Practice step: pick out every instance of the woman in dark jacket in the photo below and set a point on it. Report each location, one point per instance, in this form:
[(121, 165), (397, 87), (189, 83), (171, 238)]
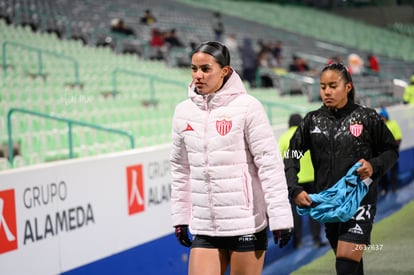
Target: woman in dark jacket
[(338, 135)]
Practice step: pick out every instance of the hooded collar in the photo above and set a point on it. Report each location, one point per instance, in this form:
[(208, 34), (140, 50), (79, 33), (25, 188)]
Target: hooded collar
[(231, 88)]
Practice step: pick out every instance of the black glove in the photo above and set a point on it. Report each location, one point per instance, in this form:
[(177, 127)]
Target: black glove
[(181, 232), (282, 236)]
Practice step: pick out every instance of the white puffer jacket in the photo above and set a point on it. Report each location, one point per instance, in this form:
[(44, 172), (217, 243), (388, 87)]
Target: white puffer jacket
[(227, 173)]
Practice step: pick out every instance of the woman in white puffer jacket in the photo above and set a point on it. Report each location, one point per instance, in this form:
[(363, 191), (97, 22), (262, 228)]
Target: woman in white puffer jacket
[(228, 181)]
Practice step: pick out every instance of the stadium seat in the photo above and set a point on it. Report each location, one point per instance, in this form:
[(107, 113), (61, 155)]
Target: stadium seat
[(130, 109)]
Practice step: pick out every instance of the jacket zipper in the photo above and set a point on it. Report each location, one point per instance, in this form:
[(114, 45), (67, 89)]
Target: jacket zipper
[(332, 144), (205, 145)]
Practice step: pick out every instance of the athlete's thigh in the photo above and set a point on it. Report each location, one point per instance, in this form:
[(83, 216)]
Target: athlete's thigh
[(208, 261), (350, 250), (247, 263)]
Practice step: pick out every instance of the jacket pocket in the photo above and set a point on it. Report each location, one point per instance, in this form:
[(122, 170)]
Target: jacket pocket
[(247, 190)]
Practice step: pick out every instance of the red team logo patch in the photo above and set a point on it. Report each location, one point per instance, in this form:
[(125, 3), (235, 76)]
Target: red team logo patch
[(135, 182), (8, 228), (223, 126), (356, 129)]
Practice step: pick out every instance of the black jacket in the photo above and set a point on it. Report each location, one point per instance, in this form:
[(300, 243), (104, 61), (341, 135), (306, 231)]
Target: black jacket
[(337, 140)]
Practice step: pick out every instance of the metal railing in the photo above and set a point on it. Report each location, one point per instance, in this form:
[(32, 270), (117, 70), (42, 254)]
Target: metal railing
[(70, 123), (269, 106), (40, 53), (43, 19), (152, 79)]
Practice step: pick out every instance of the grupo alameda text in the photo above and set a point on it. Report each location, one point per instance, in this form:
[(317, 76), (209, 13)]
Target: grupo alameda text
[(51, 224), (159, 193)]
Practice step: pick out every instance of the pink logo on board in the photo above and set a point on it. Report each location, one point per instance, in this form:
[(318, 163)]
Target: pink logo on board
[(135, 187), (8, 225)]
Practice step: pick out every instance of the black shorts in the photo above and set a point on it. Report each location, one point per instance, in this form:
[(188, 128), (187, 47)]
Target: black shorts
[(356, 230), (243, 243)]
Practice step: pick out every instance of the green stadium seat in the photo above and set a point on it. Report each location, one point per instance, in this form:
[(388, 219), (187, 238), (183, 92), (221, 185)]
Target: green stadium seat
[(149, 124)]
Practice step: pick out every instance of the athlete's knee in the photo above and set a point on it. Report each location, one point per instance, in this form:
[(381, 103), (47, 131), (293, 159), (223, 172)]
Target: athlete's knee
[(346, 266)]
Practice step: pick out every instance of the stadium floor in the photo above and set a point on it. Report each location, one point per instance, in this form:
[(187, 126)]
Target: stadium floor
[(387, 205)]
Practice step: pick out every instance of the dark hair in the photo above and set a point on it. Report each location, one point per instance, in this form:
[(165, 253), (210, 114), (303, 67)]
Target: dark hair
[(295, 120), (215, 49), (343, 70)]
